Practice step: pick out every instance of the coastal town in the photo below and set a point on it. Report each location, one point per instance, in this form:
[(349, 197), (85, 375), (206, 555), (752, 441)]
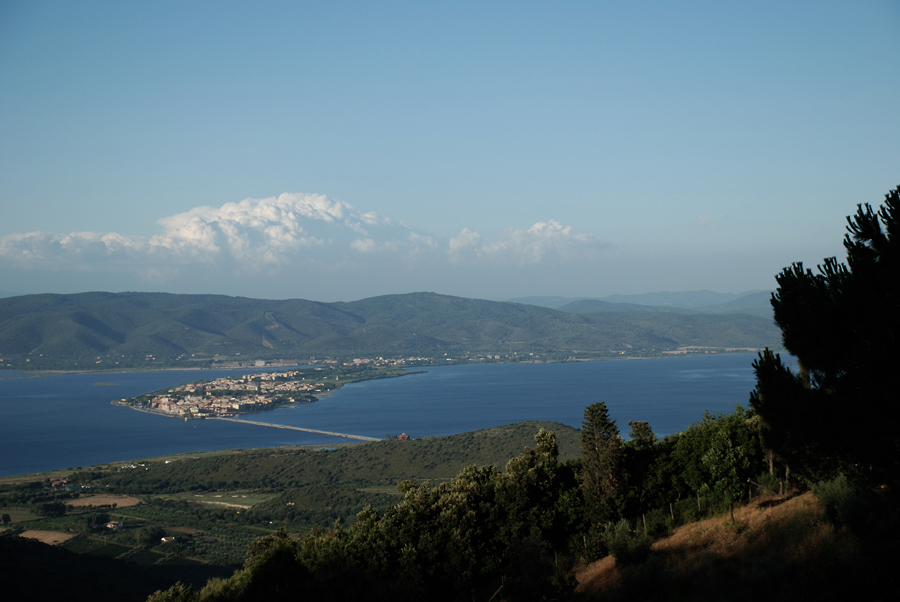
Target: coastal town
[(235, 395)]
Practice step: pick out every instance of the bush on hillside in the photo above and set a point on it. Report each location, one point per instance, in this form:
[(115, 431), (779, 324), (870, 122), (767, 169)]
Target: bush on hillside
[(626, 545), (594, 546), (842, 502), (767, 483), (657, 522)]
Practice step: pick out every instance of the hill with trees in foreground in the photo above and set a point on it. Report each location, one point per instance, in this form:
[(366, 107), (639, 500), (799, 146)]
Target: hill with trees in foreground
[(154, 330), (832, 427), (793, 498)]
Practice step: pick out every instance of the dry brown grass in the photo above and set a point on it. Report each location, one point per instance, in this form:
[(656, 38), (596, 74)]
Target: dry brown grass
[(48, 537), (717, 535), (768, 532), (599, 576), (121, 501)]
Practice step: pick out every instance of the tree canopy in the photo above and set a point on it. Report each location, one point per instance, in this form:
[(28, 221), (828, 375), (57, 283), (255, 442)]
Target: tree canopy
[(839, 412)]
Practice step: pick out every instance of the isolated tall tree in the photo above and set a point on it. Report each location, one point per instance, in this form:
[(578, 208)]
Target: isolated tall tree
[(639, 454), (843, 325), (603, 475)]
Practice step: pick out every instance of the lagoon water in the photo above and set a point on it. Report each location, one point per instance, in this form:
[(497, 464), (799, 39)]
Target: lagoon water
[(64, 421)]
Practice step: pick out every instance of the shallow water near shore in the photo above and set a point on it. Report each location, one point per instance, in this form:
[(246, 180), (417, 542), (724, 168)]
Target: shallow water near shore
[(66, 420)]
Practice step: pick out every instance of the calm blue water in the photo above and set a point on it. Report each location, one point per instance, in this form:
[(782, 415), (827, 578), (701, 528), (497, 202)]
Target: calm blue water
[(67, 421)]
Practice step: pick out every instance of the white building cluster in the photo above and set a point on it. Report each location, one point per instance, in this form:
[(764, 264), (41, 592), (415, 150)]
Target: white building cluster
[(218, 397)]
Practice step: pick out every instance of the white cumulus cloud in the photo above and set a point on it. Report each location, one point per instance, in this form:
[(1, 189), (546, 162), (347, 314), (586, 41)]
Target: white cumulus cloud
[(79, 246), (304, 238), (544, 241), (244, 236), (253, 231)]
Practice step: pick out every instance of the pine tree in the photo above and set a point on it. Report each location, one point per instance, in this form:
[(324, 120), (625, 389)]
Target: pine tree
[(843, 325), (603, 475)]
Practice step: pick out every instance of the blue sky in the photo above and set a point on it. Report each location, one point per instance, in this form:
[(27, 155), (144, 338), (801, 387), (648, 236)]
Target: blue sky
[(335, 151)]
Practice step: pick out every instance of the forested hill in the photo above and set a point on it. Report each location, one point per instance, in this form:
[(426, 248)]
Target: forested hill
[(96, 330)]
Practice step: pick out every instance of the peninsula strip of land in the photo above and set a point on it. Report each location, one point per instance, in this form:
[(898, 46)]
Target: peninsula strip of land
[(236, 395)]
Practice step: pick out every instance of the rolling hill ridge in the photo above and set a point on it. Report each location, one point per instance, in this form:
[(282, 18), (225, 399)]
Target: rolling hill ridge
[(103, 330)]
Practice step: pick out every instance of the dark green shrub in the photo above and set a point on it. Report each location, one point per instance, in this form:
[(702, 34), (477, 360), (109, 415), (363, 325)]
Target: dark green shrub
[(656, 523), (767, 483), (593, 545), (842, 502), (626, 546), (50, 509)]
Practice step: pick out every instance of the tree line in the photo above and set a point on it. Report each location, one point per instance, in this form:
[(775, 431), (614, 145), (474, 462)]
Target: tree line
[(520, 529)]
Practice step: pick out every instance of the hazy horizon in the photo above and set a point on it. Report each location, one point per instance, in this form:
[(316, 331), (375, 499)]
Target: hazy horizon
[(496, 151), (533, 299)]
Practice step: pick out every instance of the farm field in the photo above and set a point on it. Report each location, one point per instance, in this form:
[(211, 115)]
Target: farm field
[(121, 501), (48, 537)]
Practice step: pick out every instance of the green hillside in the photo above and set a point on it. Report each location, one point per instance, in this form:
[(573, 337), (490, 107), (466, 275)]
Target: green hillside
[(151, 330), (300, 487), (355, 465)]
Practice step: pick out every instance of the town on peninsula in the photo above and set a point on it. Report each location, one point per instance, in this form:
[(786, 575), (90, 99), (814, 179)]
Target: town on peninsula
[(235, 395)]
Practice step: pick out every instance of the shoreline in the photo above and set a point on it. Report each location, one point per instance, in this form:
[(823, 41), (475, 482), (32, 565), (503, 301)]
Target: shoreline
[(687, 351), (122, 404), (183, 456)]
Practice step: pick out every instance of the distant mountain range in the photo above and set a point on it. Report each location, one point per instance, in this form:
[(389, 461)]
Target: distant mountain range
[(754, 303), (104, 330)]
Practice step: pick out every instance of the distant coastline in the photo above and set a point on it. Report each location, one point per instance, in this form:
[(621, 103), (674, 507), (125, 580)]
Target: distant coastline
[(686, 351)]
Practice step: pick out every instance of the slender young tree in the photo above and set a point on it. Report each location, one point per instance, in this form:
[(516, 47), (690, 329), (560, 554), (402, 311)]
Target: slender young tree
[(603, 474), (639, 454), (729, 458)]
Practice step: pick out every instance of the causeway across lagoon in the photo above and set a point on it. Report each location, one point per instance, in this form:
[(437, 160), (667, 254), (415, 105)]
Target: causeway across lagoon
[(297, 428)]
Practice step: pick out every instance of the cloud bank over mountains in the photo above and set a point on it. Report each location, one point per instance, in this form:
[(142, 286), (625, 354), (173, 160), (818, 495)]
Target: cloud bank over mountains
[(542, 242), (293, 234)]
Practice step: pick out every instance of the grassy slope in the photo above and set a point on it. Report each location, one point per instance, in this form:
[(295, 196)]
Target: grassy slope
[(60, 330), (783, 549)]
